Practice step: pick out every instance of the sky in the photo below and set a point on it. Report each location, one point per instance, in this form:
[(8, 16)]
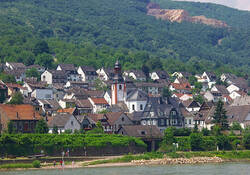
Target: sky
[(239, 4)]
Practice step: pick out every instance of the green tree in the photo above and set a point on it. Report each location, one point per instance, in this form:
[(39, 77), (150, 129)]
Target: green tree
[(55, 129), (195, 130), (42, 127), (246, 140), (196, 142), (199, 99), (169, 138), (41, 47), (205, 132), (11, 128), (219, 117), (166, 92), (236, 126), (45, 60), (6, 78), (16, 99), (32, 73)]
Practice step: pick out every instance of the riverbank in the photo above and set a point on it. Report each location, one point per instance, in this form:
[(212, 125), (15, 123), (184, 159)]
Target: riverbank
[(154, 158)]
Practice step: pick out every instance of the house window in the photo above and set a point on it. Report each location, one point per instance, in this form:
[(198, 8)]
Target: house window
[(190, 121), (143, 132), (133, 107), (185, 121), (44, 77), (72, 123), (173, 112), (123, 119), (120, 87), (141, 107)]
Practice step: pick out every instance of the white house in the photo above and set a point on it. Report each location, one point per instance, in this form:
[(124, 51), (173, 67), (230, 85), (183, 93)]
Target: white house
[(45, 94), (52, 76), (156, 75), (105, 74), (232, 88), (99, 104), (136, 100), (88, 74)]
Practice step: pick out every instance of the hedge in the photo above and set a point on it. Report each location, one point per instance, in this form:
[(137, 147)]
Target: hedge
[(28, 144)]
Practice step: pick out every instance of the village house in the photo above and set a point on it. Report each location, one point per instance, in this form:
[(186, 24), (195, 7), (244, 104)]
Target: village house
[(76, 84), (70, 71), (99, 104), (84, 106), (49, 107), (162, 112), (159, 74), (188, 117), (151, 135), (240, 114), (24, 117), (136, 100), (150, 88), (136, 75), (184, 88), (54, 76), (105, 74), (181, 75), (191, 105), (63, 122), (182, 97), (45, 94), (88, 74)]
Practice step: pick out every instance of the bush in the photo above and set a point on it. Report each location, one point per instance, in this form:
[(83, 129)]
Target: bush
[(36, 164), (246, 140), (223, 142), (196, 142)]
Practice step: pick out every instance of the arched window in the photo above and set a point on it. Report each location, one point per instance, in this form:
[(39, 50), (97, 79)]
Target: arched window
[(133, 107), (141, 107)]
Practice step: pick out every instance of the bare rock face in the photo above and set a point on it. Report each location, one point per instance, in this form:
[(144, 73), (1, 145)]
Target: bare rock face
[(180, 15)]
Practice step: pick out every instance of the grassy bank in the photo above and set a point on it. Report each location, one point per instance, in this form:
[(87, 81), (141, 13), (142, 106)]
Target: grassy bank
[(16, 165), (229, 155)]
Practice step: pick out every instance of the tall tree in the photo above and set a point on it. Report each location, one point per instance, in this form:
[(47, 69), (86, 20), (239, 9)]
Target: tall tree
[(220, 117), (42, 127), (41, 47)]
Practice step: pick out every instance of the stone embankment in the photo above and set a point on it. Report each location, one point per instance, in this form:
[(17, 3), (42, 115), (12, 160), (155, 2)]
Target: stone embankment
[(171, 161)]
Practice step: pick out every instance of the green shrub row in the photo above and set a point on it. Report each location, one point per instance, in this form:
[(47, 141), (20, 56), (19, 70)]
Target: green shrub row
[(28, 144), (197, 142)]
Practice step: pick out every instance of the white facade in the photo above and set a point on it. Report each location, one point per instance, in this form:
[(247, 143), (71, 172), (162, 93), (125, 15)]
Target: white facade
[(136, 106), (189, 122), (232, 88), (108, 98), (154, 76), (102, 74), (47, 77), (234, 95), (209, 96), (118, 92), (45, 94)]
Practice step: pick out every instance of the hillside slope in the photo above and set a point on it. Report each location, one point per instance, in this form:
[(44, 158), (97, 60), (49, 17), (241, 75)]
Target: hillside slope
[(120, 28)]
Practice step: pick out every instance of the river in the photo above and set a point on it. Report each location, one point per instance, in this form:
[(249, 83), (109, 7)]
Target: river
[(242, 168)]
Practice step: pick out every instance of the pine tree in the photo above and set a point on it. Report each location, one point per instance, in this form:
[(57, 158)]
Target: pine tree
[(220, 117)]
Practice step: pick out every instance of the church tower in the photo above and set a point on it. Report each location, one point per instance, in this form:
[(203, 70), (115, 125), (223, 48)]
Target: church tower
[(118, 87)]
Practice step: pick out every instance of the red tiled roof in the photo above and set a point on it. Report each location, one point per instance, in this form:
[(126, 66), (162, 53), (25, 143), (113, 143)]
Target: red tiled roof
[(20, 112), (99, 100), (66, 110), (185, 86)]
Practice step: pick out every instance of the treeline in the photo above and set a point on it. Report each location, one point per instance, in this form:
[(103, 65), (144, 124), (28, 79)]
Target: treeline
[(99, 32), (29, 144)]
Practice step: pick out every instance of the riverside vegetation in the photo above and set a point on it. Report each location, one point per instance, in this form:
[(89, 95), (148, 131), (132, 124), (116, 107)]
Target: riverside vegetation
[(96, 33)]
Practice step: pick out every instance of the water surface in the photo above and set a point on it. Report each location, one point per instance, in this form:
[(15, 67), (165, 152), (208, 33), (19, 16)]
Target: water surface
[(242, 168)]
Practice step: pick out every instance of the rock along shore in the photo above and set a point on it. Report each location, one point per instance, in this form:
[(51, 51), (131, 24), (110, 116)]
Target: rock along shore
[(167, 161)]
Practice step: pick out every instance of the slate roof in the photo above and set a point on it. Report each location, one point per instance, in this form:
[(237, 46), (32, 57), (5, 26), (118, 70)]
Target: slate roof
[(89, 70), (59, 120), (113, 117), (137, 95), (67, 67), (20, 112), (222, 89), (238, 113), (162, 74), (138, 74), (17, 65), (53, 104), (83, 103), (142, 131)]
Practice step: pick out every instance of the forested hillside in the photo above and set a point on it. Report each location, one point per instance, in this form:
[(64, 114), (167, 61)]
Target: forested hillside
[(95, 32)]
